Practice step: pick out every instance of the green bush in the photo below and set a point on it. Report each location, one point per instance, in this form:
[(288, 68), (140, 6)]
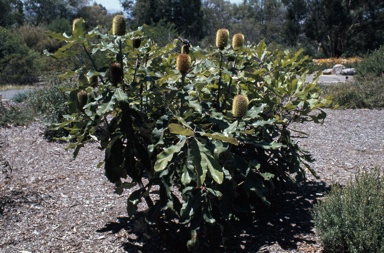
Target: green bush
[(60, 25), (15, 114), (49, 102), (18, 64), (373, 64), (36, 38), (169, 118), (351, 218), (20, 97), (367, 92)]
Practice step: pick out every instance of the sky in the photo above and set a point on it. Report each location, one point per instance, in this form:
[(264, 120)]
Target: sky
[(114, 5)]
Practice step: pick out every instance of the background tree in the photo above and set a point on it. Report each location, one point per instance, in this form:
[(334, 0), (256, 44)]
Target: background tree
[(12, 12), (217, 14), (45, 11), (296, 12), (187, 16), (344, 27), (95, 15)]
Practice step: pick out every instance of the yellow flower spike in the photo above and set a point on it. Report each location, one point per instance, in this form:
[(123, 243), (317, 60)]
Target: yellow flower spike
[(115, 73), (222, 36), (240, 106), (183, 63), (237, 40), (118, 25)]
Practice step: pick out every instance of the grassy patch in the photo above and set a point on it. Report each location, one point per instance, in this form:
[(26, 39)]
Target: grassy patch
[(367, 92), (6, 87)]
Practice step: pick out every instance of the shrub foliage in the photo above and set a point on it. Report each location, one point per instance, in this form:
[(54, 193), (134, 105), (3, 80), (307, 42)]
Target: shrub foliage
[(367, 92), (372, 65), (351, 219), (18, 64), (171, 139)]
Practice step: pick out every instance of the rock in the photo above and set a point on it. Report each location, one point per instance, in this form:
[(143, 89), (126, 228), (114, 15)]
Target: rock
[(336, 70), (348, 72), (327, 72)]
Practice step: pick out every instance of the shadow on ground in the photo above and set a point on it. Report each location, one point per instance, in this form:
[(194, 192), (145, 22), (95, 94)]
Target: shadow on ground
[(287, 222)]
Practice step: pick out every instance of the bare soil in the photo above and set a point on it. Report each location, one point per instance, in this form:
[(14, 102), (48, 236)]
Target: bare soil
[(52, 203)]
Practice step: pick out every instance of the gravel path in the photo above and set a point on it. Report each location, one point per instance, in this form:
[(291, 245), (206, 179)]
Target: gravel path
[(348, 140), (50, 203)]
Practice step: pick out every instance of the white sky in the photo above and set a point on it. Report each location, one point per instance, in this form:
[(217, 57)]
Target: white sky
[(114, 5)]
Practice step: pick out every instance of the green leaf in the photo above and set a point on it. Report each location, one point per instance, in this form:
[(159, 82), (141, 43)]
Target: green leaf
[(120, 95), (179, 129), (66, 75), (106, 107), (194, 158), (222, 137), (231, 128), (78, 28), (208, 161), (164, 157), (183, 122), (267, 176), (83, 81), (186, 177)]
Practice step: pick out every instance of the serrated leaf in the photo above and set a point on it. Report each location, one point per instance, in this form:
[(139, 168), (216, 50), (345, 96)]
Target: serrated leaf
[(185, 177), (179, 129), (209, 162), (183, 122), (195, 104), (66, 75), (194, 157), (222, 137), (78, 28), (267, 176), (164, 157), (213, 168), (106, 107), (231, 128), (120, 95)]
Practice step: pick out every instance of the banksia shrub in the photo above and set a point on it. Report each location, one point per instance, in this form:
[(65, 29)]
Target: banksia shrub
[(82, 98), (237, 40), (240, 106), (222, 36), (136, 42), (115, 73), (118, 25), (183, 63)]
